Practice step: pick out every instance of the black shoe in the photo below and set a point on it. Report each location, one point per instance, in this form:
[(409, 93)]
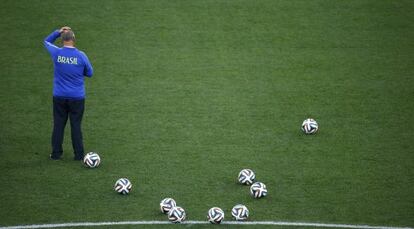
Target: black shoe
[(54, 157)]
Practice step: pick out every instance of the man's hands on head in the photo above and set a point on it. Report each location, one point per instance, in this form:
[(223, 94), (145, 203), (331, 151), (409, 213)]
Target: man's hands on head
[(64, 29)]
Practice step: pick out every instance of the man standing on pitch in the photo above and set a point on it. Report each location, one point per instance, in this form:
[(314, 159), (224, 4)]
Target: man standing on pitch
[(70, 67)]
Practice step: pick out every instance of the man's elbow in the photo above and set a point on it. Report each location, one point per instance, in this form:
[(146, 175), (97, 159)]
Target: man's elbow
[(48, 40), (88, 71), (89, 74)]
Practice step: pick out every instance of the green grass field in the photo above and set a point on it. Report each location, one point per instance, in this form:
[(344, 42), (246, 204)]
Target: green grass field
[(186, 93)]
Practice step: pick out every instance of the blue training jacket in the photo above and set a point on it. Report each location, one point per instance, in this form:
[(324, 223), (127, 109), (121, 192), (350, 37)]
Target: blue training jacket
[(70, 67)]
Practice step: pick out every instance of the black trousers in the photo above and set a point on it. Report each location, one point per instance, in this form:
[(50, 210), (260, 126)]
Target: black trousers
[(62, 109)]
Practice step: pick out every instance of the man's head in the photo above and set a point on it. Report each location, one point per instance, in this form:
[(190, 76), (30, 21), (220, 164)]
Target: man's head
[(68, 38)]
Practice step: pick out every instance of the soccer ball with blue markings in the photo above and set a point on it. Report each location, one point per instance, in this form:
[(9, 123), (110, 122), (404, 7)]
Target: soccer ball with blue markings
[(310, 126), (123, 186), (167, 204), (176, 214), (215, 215), (258, 190), (240, 212), (246, 176), (92, 160)]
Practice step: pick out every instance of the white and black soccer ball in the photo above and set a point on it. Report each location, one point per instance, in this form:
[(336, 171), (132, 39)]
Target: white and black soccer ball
[(246, 176), (123, 186), (258, 190), (215, 215), (167, 204), (309, 126), (92, 160), (240, 212), (176, 214)]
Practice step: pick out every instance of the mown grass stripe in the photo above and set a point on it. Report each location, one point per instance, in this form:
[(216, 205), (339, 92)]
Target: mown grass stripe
[(275, 223)]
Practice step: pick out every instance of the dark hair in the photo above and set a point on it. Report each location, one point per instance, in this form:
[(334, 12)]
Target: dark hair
[(68, 36)]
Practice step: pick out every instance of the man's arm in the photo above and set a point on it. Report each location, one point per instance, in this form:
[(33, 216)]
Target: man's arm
[(88, 70), (49, 40)]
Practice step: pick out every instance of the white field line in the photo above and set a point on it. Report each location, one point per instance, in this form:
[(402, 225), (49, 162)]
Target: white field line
[(274, 223)]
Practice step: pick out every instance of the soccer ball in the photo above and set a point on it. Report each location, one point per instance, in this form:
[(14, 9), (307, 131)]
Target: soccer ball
[(240, 212), (166, 205), (92, 160), (246, 176), (258, 190), (176, 215), (309, 126), (215, 215), (123, 186)]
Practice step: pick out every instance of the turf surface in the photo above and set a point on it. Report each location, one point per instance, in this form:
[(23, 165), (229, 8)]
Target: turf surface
[(187, 93)]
